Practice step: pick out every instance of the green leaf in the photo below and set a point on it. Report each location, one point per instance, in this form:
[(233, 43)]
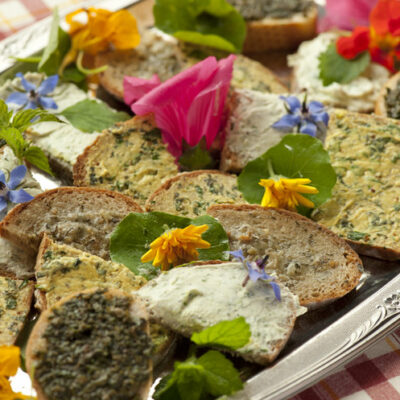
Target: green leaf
[(196, 158), (25, 118), (295, 156), (213, 23), (15, 140), (93, 116), (57, 47), (222, 378), (228, 334), (189, 379), (132, 237), (5, 115), (36, 157), (72, 74), (335, 68), (166, 389)]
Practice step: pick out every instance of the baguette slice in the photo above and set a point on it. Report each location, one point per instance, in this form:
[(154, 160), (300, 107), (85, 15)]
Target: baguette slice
[(81, 217), (91, 372), (311, 261), (280, 33), (15, 304), (203, 295), (190, 193), (380, 106), (129, 158)]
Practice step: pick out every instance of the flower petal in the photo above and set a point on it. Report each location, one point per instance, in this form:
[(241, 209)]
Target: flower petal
[(382, 13), (3, 203), (17, 98), (237, 254), (9, 360), (308, 128), (351, 46), (16, 176), (287, 122), (28, 86), (321, 117), (3, 178), (47, 102), (277, 290), (48, 85), (31, 105), (293, 102), (136, 88), (315, 106), (19, 196)]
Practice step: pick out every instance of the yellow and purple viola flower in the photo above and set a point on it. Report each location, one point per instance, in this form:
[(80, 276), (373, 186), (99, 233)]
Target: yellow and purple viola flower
[(256, 271), (188, 107), (306, 118), (8, 190), (34, 97)]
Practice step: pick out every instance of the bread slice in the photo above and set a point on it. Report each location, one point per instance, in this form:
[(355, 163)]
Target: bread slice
[(190, 193), (311, 261), (130, 158), (81, 217), (359, 95), (384, 96), (63, 270), (249, 131), (365, 203), (268, 33), (15, 304), (163, 55), (94, 344), (201, 296)]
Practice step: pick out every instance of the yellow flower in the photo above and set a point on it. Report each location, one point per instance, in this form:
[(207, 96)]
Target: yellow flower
[(285, 193), (103, 28), (177, 246), (9, 363)]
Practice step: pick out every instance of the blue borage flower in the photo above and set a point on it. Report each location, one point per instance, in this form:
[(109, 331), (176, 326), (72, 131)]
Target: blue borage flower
[(7, 192), (34, 97), (256, 271), (307, 118)]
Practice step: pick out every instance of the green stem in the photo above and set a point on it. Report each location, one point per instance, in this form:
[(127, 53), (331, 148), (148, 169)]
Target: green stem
[(270, 169), (33, 60), (87, 71), (192, 351)]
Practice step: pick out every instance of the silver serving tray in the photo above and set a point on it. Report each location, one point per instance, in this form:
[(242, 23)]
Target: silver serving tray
[(323, 339)]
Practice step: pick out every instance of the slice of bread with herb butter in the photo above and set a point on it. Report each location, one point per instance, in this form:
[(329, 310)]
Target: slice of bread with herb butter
[(191, 193), (364, 208), (130, 158), (91, 345), (277, 24), (358, 95), (202, 295), (388, 102), (62, 270), (165, 56), (81, 217), (311, 261), (15, 304)]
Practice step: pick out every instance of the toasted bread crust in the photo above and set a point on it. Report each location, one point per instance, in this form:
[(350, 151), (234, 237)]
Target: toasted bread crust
[(280, 34), (380, 106), (353, 261)]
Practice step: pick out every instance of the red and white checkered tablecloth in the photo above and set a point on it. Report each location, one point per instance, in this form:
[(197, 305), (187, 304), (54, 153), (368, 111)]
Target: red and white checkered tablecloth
[(375, 375)]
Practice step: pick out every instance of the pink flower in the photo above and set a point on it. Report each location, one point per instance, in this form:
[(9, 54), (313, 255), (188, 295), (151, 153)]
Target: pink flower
[(188, 106), (346, 14)]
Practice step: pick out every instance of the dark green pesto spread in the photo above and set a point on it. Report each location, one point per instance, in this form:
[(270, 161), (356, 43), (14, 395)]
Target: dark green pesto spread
[(392, 102), (95, 350), (259, 9)]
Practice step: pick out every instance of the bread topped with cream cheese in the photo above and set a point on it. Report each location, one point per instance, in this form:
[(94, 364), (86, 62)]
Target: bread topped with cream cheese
[(129, 158), (91, 345), (190, 193), (311, 261), (81, 217)]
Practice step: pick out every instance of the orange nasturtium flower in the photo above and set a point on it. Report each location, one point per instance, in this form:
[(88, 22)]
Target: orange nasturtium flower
[(381, 38), (285, 193), (102, 29), (9, 363), (176, 246)]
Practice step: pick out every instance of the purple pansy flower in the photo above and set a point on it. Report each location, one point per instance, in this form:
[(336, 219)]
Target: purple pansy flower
[(7, 192), (256, 271), (307, 118), (34, 97)]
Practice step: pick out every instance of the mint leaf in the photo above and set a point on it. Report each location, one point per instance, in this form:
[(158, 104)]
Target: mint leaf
[(25, 118), (5, 115), (36, 157), (335, 68), (196, 158), (213, 23), (133, 235), (57, 47), (189, 379), (229, 334), (93, 116), (295, 156), (166, 389), (222, 378), (15, 140)]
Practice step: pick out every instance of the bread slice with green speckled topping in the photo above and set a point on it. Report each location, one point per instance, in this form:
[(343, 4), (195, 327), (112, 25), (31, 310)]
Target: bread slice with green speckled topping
[(190, 193), (310, 260), (129, 158)]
